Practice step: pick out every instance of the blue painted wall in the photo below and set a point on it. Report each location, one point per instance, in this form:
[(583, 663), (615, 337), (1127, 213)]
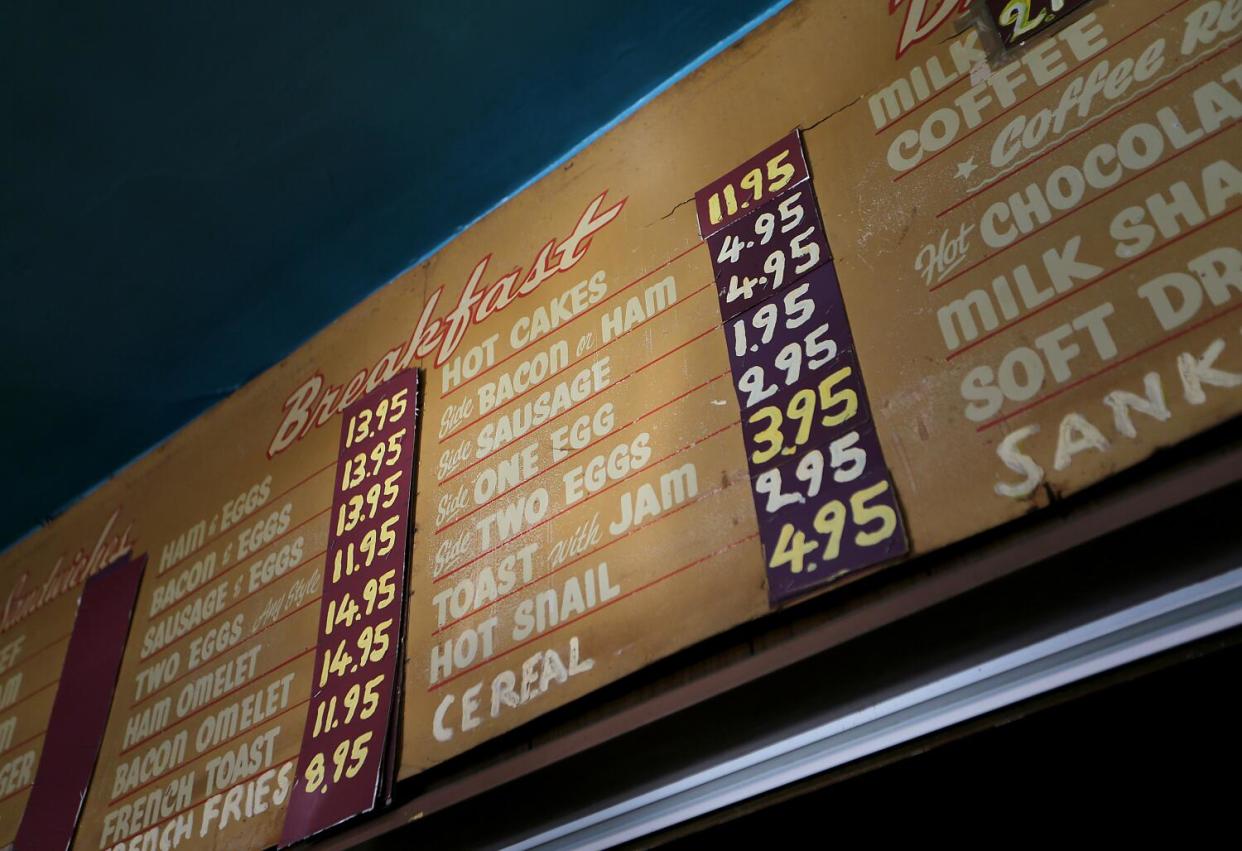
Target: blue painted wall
[(191, 190)]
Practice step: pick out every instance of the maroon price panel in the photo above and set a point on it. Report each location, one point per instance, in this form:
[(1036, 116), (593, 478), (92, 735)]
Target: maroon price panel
[(758, 255), (361, 614), (80, 710), (1018, 21), (752, 184)]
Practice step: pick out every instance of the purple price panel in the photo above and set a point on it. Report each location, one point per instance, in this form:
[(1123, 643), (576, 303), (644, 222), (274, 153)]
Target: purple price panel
[(361, 613), (80, 709), (759, 255), (752, 184), (812, 540), (823, 495), (1018, 21)]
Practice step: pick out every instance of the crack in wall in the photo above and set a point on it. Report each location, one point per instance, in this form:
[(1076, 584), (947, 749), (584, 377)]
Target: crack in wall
[(676, 207), (811, 127)]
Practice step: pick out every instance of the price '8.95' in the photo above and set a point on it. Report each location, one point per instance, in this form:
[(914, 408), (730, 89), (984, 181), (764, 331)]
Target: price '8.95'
[(347, 760)]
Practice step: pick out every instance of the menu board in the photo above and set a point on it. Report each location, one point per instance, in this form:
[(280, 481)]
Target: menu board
[(1009, 268), (209, 721), (584, 507), (1009, 351), (1050, 235)]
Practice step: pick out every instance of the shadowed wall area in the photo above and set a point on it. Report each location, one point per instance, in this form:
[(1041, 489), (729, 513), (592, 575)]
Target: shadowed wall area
[(190, 192)]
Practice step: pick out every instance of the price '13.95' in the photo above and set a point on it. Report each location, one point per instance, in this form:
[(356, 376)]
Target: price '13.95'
[(371, 421)]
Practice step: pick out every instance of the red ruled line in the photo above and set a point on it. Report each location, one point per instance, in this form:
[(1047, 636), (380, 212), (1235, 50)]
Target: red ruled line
[(15, 792), (39, 690), (1039, 91), (21, 618), (251, 683), (552, 377), (245, 640), (26, 657), (589, 310), (122, 842), (1142, 174), (236, 526), (210, 751), (1119, 109), (585, 500), (598, 608), (1089, 284), (244, 598), (22, 743), (593, 396), (1068, 387), (589, 446), (589, 554)]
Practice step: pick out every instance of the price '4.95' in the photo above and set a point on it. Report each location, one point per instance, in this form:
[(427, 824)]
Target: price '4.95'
[(872, 521)]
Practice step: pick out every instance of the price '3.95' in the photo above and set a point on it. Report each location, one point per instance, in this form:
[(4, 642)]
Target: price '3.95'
[(833, 406)]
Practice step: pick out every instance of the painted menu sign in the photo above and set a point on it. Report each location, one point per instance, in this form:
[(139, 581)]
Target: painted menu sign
[(1028, 269), (583, 505), (1053, 242)]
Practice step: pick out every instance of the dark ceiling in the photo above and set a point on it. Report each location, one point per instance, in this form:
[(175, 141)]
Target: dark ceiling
[(192, 190)]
